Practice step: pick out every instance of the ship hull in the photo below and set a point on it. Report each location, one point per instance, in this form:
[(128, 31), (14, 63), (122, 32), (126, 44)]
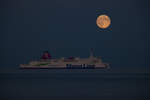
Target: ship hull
[(64, 67), (61, 68)]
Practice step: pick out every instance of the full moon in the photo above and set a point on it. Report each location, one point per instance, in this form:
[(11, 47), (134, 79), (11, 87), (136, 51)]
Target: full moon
[(103, 21)]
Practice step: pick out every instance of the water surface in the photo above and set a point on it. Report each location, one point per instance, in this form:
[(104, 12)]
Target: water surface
[(74, 84)]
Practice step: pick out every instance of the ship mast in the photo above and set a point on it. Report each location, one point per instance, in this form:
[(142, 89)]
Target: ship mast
[(91, 53)]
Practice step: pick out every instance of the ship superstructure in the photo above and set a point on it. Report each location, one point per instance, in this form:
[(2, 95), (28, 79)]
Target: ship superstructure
[(70, 63)]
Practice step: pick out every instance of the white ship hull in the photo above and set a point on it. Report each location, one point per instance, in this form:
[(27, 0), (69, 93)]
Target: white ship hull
[(67, 66)]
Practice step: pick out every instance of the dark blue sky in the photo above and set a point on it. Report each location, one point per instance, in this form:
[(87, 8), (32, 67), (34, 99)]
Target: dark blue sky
[(68, 28)]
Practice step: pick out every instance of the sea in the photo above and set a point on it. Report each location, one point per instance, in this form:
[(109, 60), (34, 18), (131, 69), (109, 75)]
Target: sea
[(75, 84)]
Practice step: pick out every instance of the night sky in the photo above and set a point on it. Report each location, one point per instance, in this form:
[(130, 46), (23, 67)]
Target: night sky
[(68, 28)]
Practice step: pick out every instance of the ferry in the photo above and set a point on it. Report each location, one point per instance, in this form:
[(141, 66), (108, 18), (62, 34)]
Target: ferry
[(46, 62)]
